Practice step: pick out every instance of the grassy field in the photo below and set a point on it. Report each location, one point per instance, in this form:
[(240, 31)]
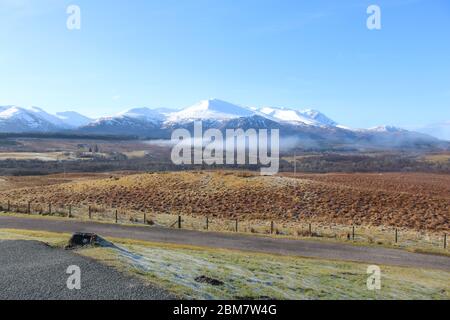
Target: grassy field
[(251, 275), (43, 156), (438, 158)]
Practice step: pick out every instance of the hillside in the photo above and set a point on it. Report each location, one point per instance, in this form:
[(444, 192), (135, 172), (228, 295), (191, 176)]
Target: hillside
[(417, 201)]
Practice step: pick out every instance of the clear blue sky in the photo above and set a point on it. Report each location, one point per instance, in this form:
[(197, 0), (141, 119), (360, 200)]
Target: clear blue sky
[(172, 53)]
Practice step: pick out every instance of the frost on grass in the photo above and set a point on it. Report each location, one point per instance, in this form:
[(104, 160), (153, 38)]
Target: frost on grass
[(260, 276)]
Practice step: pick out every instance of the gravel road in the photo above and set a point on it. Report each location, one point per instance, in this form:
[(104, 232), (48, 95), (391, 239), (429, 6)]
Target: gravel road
[(304, 248), (33, 270)]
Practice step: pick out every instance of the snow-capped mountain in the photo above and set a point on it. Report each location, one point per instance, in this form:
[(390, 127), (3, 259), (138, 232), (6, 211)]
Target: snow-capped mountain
[(136, 121), (73, 119), (307, 117), (319, 117), (214, 109), (34, 119), (439, 130), (386, 128), (309, 128), (146, 114)]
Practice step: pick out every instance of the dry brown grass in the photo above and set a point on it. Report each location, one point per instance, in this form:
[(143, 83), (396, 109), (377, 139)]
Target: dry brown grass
[(412, 201), (17, 182), (437, 158), (426, 184)]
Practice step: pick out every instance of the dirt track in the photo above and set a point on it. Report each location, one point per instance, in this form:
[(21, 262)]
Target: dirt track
[(313, 249)]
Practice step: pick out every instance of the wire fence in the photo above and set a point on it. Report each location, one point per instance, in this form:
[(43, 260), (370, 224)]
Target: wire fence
[(298, 228)]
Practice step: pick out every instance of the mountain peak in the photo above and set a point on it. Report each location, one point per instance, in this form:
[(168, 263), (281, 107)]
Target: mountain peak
[(144, 113), (18, 119), (387, 128), (211, 109), (318, 116), (308, 117), (73, 118)]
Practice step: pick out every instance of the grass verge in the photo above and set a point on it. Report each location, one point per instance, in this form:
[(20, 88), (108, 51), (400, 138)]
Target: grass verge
[(252, 275)]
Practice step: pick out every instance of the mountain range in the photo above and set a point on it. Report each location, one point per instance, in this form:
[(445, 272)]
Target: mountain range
[(306, 128)]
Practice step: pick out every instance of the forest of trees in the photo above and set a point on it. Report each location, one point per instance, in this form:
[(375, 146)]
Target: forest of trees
[(319, 163)]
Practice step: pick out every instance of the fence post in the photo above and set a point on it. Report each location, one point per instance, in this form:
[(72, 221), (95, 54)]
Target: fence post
[(310, 230), (445, 241), (207, 223), (49, 208), (29, 207), (116, 216), (353, 233), (271, 227), (236, 229), (396, 235), (179, 222), (145, 218), (90, 213), (9, 205), (70, 211)]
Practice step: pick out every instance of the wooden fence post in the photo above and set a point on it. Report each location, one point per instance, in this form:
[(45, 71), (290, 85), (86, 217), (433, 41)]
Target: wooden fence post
[(396, 235), (353, 233), (49, 208), (179, 222), (236, 228), (207, 223), (271, 227), (310, 230), (9, 206), (90, 213), (29, 207), (70, 211), (116, 216), (145, 218), (445, 241)]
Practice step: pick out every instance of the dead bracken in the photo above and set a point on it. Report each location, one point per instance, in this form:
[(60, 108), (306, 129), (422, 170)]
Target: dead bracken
[(416, 201)]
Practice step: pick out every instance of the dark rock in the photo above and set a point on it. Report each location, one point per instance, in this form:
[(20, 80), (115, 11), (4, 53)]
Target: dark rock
[(82, 239), (211, 281)]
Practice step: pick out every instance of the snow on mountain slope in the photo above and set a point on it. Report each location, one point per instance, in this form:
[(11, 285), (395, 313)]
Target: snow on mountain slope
[(134, 121), (54, 120), (16, 113), (308, 116), (288, 115), (73, 119), (17, 119), (210, 109), (439, 130), (318, 116), (153, 115), (306, 125), (385, 128)]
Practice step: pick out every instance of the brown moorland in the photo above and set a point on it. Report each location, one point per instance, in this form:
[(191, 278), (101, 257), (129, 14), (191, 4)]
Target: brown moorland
[(414, 200)]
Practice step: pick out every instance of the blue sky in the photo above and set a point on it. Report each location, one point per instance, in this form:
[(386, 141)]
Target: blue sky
[(172, 53)]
